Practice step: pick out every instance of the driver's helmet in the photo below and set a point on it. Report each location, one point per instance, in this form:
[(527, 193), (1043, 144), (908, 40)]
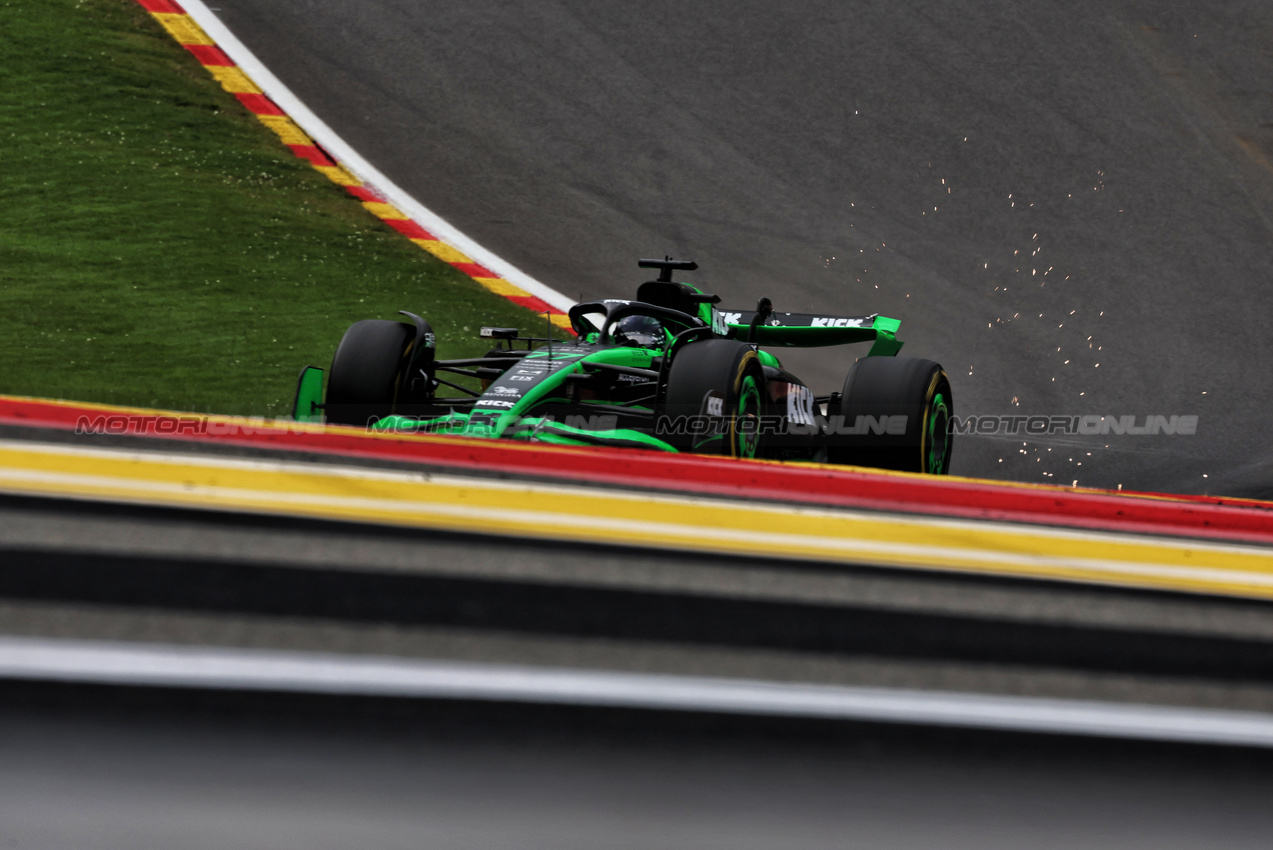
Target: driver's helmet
[(642, 331)]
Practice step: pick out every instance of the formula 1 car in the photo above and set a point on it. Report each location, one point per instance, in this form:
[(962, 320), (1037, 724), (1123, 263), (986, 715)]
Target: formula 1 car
[(667, 371)]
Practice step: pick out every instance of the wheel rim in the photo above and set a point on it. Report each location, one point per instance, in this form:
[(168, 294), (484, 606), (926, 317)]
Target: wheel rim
[(938, 427), (746, 421)]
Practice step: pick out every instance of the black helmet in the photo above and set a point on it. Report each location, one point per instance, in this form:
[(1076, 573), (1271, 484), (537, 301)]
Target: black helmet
[(642, 331)]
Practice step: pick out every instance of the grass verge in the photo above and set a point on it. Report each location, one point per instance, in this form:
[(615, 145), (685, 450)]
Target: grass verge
[(160, 248)]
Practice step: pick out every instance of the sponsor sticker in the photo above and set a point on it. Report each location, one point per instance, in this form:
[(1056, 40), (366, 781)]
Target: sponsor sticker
[(800, 405), (833, 322)]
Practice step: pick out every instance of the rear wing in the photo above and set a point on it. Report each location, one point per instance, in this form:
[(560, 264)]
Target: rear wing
[(809, 330)]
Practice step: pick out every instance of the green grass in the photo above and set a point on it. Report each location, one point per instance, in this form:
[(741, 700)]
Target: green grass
[(159, 247)]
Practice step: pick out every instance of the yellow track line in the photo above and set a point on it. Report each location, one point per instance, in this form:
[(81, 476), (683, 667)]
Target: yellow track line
[(574, 514)]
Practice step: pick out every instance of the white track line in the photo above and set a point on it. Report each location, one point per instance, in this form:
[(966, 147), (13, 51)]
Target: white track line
[(163, 665), (355, 163)]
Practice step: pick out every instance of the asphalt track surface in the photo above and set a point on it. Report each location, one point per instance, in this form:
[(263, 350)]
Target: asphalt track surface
[(1033, 189), (131, 767)]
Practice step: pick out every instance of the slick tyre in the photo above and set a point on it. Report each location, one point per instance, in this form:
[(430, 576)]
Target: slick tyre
[(869, 429), (713, 400), (362, 384)]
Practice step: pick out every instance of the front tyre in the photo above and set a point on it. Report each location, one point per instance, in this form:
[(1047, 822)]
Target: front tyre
[(894, 413), (363, 383), (713, 402)]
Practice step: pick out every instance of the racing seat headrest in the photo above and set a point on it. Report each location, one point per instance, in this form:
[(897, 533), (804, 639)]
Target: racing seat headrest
[(674, 296)]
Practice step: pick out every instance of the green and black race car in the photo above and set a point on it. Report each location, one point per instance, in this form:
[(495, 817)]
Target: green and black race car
[(667, 371)]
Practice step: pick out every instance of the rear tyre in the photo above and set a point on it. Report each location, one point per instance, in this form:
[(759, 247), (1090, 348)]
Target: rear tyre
[(713, 401), (362, 384), (876, 392)]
